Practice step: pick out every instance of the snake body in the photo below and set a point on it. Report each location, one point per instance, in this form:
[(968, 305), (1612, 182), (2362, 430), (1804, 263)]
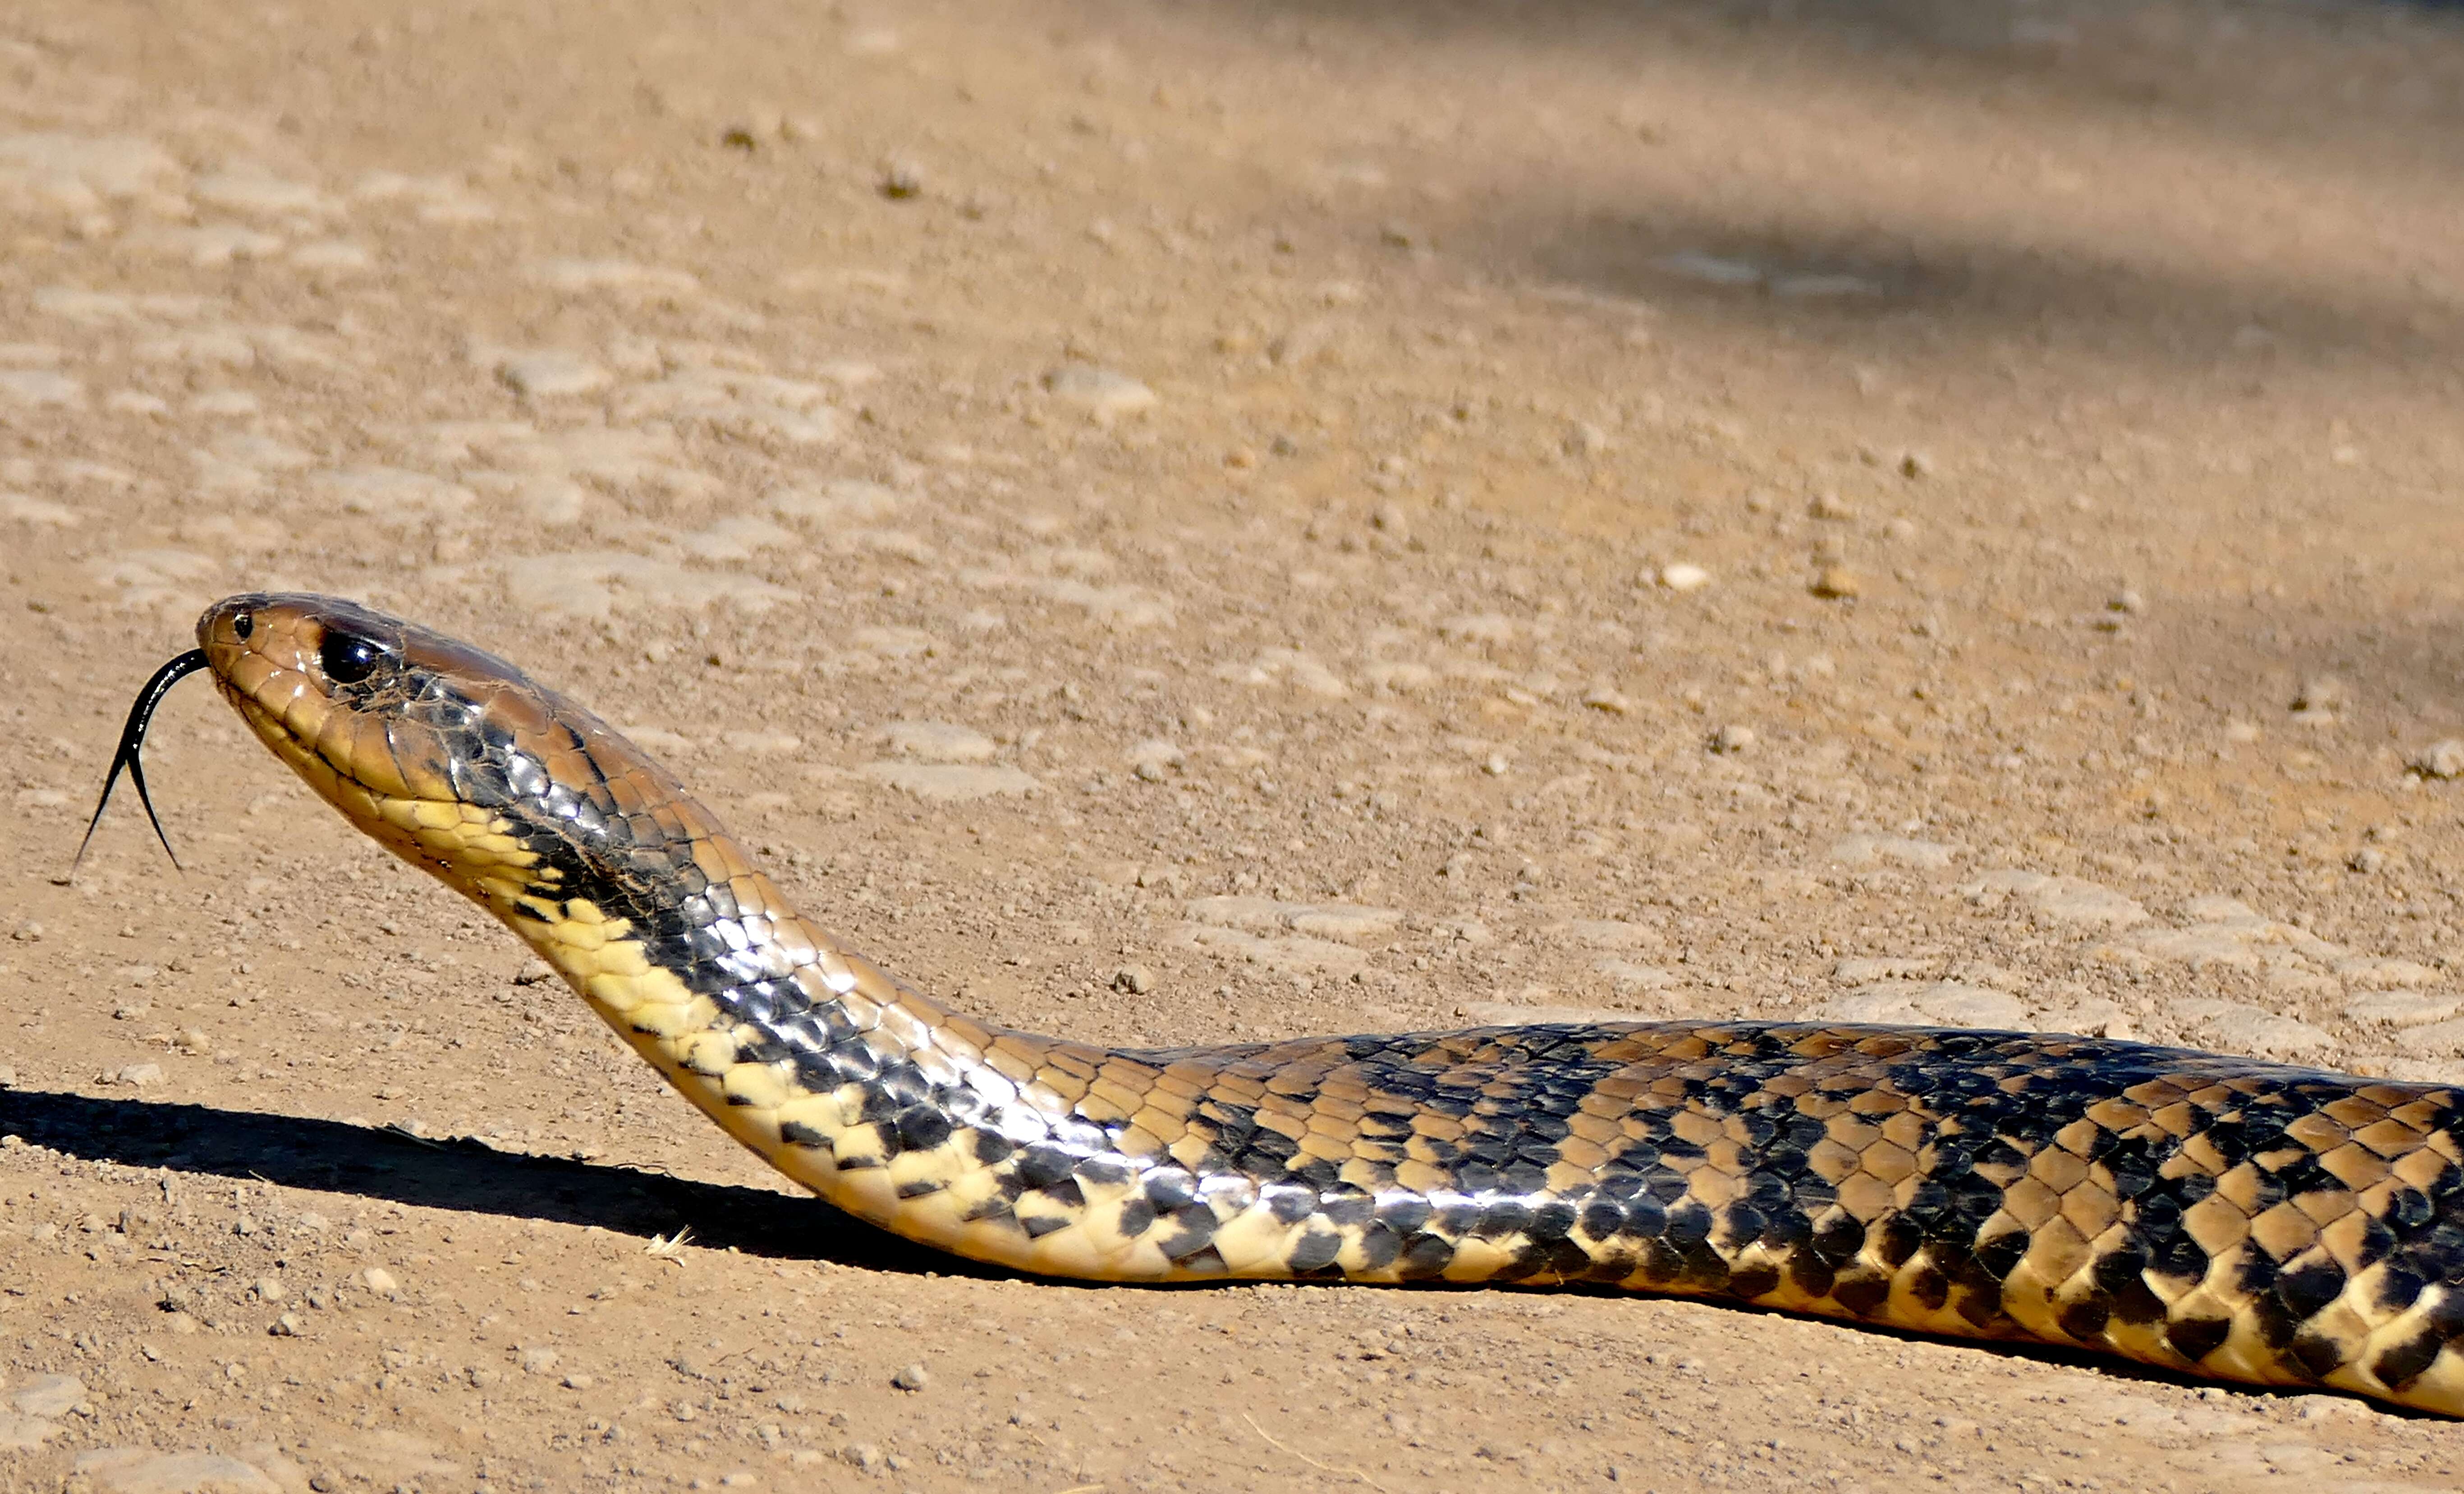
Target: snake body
[(2213, 1216)]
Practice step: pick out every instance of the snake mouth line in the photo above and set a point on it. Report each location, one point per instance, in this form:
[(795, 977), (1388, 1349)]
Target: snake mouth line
[(129, 755)]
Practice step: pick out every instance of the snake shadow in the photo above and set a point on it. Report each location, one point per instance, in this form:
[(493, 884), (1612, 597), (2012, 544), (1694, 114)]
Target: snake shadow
[(467, 1175), (464, 1175)]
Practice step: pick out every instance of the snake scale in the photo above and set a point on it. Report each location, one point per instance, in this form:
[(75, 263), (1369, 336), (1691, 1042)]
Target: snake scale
[(2213, 1216)]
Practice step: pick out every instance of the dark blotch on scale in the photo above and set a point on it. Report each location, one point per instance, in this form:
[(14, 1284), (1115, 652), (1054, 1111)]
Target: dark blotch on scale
[(2258, 1277), (1192, 1232), (1601, 1218), (2084, 1319), (1928, 1287), (1103, 1172), (1042, 1167), (1346, 1208), (1756, 1280), (1291, 1205), (1314, 1251), (993, 1148), (2308, 1288), (1862, 1292), (2196, 1338), (1379, 1246), (2316, 1354), (1315, 1173), (1168, 1188), (2398, 1288), (922, 1127), (1504, 1218), (2405, 1362), (1404, 1215), (1812, 1275), (1425, 1257)]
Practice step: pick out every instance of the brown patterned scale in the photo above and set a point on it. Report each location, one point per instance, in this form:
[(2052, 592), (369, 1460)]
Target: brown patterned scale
[(2210, 1215)]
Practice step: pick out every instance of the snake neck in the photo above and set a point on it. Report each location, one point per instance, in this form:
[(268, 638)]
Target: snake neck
[(1007, 1147), (1001, 1145)]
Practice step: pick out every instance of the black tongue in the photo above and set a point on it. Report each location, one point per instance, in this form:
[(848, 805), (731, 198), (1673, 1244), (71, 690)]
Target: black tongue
[(132, 747)]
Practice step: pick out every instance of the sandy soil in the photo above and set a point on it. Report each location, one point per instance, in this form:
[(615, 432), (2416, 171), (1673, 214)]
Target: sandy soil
[(1170, 521)]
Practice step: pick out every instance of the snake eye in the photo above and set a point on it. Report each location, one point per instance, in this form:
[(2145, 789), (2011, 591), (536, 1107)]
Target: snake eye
[(347, 658), (242, 625)]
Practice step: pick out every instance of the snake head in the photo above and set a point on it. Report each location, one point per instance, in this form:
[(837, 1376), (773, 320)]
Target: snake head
[(450, 757)]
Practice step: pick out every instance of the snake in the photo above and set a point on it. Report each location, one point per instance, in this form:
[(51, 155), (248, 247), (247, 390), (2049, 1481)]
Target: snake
[(2216, 1217)]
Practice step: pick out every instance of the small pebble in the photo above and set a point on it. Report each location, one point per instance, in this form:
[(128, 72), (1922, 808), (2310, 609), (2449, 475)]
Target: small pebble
[(2126, 601), (2401, 1008), (914, 1377), (380, 1281), (2321, 692), (2443, 758), (939, 741), (141, 1470), (1153, 758), (533, 972), (1100, 391), (41, 387), (49, 1395), (225, 402), (1838, 582), (537, 1361), (1732, 740), (1683, 576), (950, 782), (548, 375), (900, 181), (1137, 979), (1830, 505), (1608, 698)]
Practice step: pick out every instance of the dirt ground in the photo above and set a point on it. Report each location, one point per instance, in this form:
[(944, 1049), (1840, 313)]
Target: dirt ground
[(1170, 522)]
